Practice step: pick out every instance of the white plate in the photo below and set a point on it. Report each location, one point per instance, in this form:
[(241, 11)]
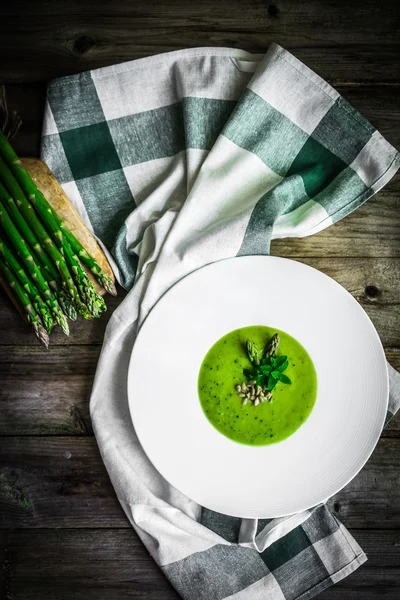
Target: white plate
[(325, 453)]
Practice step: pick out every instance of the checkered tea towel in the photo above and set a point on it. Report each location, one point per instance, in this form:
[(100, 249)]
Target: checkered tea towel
[(176, 161)]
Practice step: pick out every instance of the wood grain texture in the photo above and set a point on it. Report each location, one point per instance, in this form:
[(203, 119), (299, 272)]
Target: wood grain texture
[(371, 231), (13, 331), (55, 482), (61, 482), (105, 565), (94, 565), (41, 40)]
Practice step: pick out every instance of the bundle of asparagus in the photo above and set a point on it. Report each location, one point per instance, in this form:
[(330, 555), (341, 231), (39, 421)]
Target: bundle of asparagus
[(40, 259)]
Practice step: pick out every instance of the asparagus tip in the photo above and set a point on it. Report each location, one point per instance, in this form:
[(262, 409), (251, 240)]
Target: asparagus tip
[(63, 323), (108, 285), (41, 334)]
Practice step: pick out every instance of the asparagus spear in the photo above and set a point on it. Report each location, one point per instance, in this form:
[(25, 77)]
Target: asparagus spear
[(29, 215), (25, 302), (30, 189), (53, 279), (29, 287), (91, 298), (51, 220), (29, 263), (22, 225), (66, 305), (272, 346), (252, 352), (87, 259)]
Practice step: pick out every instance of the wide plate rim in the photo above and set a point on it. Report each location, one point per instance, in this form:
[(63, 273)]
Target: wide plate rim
[(182, 281)]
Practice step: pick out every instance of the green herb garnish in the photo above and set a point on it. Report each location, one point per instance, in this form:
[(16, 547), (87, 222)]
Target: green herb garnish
[(265, 372)]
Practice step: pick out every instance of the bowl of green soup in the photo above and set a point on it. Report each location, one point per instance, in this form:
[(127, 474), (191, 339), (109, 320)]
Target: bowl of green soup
[(258, 387)]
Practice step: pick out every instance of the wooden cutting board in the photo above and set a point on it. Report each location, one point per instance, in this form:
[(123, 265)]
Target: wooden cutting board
[(52, 190)]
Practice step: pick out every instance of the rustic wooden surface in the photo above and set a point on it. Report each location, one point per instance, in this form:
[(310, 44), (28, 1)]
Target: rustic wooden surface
[(63, 534)]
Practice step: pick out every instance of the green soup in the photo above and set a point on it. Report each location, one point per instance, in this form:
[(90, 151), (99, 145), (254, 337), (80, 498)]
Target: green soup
[(269, 422)]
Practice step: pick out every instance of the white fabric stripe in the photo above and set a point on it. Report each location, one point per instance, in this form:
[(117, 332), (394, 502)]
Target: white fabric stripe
[(376, 163), (194, 159), (144, 179), (266, 588), (307, 219), (293, 89), (168, 81), (178, 535), (214, 218), (272, 532), (360, 556), (152, 239), (149, 62), (159, 187), (49, 124), (248, 66), (343, 555), (279, 528)]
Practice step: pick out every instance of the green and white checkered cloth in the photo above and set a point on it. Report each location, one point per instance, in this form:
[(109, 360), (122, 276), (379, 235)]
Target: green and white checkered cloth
[(176, 161)]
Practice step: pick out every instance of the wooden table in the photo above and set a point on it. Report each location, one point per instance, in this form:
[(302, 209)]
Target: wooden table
[(63, 535)]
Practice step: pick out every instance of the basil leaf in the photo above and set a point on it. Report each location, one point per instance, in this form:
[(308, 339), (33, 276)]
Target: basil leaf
[(264, 361), (250, 373), (280, 360), (284, 378), (261, 380), (275, 374), (266, 369), (284, 366), (273, 360)]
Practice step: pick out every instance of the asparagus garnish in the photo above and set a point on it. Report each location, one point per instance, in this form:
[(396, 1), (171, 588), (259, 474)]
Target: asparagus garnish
[(29, 263), (272, 346), (26, 304), (29, 287), (252, 352)]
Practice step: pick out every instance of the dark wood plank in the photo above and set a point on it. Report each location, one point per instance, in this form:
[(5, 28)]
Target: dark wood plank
[(86, 565), (379, 577), (61, 482), (373, 230), (42, 40), (28, 101), (373, 497), (46, 393), (109, 564), (55, 482), (13, 330)]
